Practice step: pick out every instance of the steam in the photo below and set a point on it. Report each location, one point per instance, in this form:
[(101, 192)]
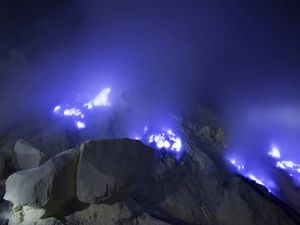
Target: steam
[(159, 57), (100, 100), (166, 139)]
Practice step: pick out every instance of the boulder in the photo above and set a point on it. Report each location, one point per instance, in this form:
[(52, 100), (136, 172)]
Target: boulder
[(108, 168), (50, 186), (26, 156), (26, 215)]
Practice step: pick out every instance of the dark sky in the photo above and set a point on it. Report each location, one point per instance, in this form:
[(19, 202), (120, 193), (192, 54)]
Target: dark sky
[(231, 55)]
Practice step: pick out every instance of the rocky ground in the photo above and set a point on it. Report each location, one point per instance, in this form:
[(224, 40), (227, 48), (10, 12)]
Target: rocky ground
[(48, 177)]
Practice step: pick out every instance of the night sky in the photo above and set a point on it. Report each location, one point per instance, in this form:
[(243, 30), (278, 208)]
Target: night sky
[(220, 52)]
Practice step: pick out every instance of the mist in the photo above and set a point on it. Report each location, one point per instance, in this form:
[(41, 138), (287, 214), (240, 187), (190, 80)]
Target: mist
[(241, 59)]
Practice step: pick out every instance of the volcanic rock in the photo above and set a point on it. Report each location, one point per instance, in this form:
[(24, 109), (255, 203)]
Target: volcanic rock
[(101, 214), (50, 186), (118, 213), (26, 215), (108, 168), (184, 192), (26, 156)]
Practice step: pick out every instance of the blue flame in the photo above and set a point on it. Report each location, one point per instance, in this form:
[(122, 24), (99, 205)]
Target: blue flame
[(275, 152), (73, 112), (80, 125), (254, 178), (289, 166), (102, 99), (238, 165), (167, 140), (56, 108), (242, 169)]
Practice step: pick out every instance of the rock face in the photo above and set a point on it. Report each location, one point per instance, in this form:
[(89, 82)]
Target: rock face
[(49, 186), (101, 214), (26, 156), (124, 182), (118, 213), (108, 168)]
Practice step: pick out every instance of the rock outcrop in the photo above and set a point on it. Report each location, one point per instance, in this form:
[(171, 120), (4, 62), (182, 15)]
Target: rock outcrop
[(124, 182), (26, 156), (107, 169), (50, 186)]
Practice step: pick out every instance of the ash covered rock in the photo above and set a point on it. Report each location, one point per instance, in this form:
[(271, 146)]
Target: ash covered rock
[(108, 168), (101, 214), (204, 124), (27, 156), (50, 186), (119, 213)]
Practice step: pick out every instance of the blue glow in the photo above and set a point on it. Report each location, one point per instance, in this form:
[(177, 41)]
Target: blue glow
[(73, 112), (257, 180), (238, 165), (56, 108), (146, 128), (80, 125), (100, 100), (79, 112), (166, 140), (242, 169), (236, 162), (275, 152), (290, 167)]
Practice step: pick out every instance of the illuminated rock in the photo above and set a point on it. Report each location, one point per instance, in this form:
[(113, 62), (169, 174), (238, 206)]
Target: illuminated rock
[(26, 215), (26, 156), (50, 186), (108, 168)]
